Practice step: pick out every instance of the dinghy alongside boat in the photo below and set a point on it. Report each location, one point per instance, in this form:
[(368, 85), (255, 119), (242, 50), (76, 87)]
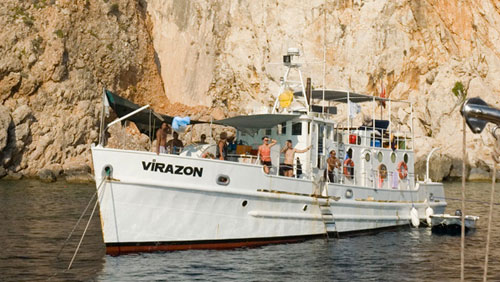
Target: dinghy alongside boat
[(452, 224)]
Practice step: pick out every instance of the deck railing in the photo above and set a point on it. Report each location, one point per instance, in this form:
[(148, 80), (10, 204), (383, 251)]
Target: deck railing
[(378, 138)]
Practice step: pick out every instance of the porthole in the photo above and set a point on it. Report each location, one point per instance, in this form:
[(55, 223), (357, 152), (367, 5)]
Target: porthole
[(349, 193), (304, 208), (223, 180), (405, 158), (367, 157), (380, 156), (107, 171), (244, 203), (393, 157)]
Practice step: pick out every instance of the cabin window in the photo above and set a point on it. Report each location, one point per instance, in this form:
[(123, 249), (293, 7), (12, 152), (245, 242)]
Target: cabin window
[(297, 128), (283, 128), (268, 131), (405, 158), (367, 157)]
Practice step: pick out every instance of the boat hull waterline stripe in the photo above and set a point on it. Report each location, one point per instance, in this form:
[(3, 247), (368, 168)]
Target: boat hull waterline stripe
[(124, 248)]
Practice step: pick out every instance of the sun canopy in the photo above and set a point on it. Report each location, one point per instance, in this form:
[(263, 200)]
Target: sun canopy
[(122, 107), (254, 122), (341, 96)]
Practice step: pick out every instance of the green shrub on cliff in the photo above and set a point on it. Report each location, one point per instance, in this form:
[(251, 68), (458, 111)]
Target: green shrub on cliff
[(458, 90)]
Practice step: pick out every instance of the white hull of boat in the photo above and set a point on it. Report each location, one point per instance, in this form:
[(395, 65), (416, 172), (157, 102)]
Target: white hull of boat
[(168, 202)]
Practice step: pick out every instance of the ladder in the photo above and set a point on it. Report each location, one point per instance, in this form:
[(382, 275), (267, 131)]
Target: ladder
[(327, 218), (327, 215)]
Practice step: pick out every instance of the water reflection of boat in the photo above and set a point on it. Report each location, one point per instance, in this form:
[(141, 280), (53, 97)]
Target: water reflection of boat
[(151, 202)]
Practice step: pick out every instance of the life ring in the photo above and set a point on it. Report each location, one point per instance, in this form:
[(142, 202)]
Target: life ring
[(402, 170), (348, 163)]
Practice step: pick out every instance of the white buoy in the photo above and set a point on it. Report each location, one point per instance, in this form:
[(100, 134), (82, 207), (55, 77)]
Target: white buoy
[(415, 221), (428, 212)]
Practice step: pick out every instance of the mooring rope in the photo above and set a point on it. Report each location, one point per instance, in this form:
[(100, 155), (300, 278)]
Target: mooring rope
[(496, 159), (78, 222), (83, 235), (79, 219), (468, 201)]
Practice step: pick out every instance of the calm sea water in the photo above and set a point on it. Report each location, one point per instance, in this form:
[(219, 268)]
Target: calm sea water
[(35, 219)]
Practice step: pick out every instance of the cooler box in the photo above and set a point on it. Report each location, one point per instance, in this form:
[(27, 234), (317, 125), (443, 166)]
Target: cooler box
[(243, 149), (352, 139), (377, 143)]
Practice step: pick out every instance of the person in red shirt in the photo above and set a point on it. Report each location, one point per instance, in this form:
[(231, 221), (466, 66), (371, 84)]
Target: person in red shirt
[(264, 153)]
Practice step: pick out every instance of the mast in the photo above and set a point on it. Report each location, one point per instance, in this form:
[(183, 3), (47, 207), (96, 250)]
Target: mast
[(288, 61), (324, 57)]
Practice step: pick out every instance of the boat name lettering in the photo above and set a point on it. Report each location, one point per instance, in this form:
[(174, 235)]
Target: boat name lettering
[(173, 169)]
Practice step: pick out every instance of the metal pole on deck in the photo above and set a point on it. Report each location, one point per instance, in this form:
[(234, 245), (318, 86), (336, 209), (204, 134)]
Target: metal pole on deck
[(348, 117), (390, 124), (101, 125), (412, 131), (324, 56), (373, 122), (304, 90)]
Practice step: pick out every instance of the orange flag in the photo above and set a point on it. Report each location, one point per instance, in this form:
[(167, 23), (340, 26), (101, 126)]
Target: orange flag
[(382, 93)]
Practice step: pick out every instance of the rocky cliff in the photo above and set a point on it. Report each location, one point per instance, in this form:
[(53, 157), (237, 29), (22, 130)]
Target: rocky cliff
[(220, 57), (55, 58)]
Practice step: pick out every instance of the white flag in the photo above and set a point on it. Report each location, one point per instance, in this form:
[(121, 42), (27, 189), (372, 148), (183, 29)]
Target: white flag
[(105, 102), (354, 109)]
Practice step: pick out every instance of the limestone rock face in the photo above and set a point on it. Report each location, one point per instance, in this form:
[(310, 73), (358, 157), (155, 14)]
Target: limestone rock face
[(5, 121), (46, 175), (228, 56), (55, 59), (213, 59)]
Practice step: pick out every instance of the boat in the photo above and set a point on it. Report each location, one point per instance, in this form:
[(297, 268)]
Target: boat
[(452, 224), (150, 202)]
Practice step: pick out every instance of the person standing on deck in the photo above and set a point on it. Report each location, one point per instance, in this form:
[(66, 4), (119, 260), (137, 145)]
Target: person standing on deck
[(289, 152), (221, 150), (175, 145), (333, 163), (264, 153), (161, 139), (203, 139)]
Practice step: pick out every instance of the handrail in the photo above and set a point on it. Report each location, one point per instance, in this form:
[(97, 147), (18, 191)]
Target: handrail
[(427, 179)]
